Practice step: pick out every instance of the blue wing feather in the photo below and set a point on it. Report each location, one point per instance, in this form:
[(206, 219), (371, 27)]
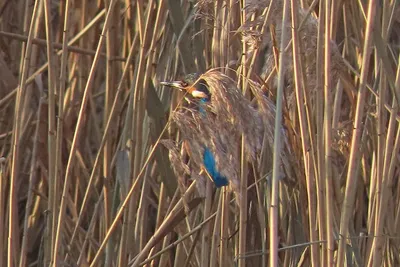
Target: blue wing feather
[(210, 165), (209, 160)]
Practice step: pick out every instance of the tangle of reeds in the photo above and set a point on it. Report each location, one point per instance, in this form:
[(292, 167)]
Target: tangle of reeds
[(99, 163)]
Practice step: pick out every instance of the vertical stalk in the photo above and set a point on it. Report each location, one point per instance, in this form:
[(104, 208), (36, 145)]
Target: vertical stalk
[(384, 147), (60, 122), (274, 223), (242, 201), (51, 133), (319, 122), (15, 165), (351, 185), (305, 130), (328, 135), (111, 74)]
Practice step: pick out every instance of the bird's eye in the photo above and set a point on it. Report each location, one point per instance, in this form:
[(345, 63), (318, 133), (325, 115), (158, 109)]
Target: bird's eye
[(184, 84)]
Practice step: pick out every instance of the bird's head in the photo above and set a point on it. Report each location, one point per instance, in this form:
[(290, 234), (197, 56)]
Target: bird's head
[(192, 84)]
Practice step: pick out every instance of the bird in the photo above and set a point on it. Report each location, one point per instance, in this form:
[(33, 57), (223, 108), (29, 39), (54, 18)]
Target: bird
[(198, 91), (223, 129)]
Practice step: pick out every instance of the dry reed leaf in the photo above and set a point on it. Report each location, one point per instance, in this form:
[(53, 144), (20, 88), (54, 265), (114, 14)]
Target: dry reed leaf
[(180, 168)]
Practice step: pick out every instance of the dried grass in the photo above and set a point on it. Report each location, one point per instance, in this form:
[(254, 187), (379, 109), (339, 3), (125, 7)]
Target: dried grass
[(85, 181)]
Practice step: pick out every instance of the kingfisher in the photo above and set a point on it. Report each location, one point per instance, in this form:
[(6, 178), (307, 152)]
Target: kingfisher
[(198, 91)]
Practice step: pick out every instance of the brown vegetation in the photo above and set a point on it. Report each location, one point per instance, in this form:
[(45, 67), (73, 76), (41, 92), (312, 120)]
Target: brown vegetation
[(100, 165)]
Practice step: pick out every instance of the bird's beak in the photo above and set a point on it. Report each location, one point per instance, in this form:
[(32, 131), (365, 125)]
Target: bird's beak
[(188, 89), (175, 84)]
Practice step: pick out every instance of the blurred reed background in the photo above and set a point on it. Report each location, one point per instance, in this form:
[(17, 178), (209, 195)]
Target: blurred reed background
[(86, 180)]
